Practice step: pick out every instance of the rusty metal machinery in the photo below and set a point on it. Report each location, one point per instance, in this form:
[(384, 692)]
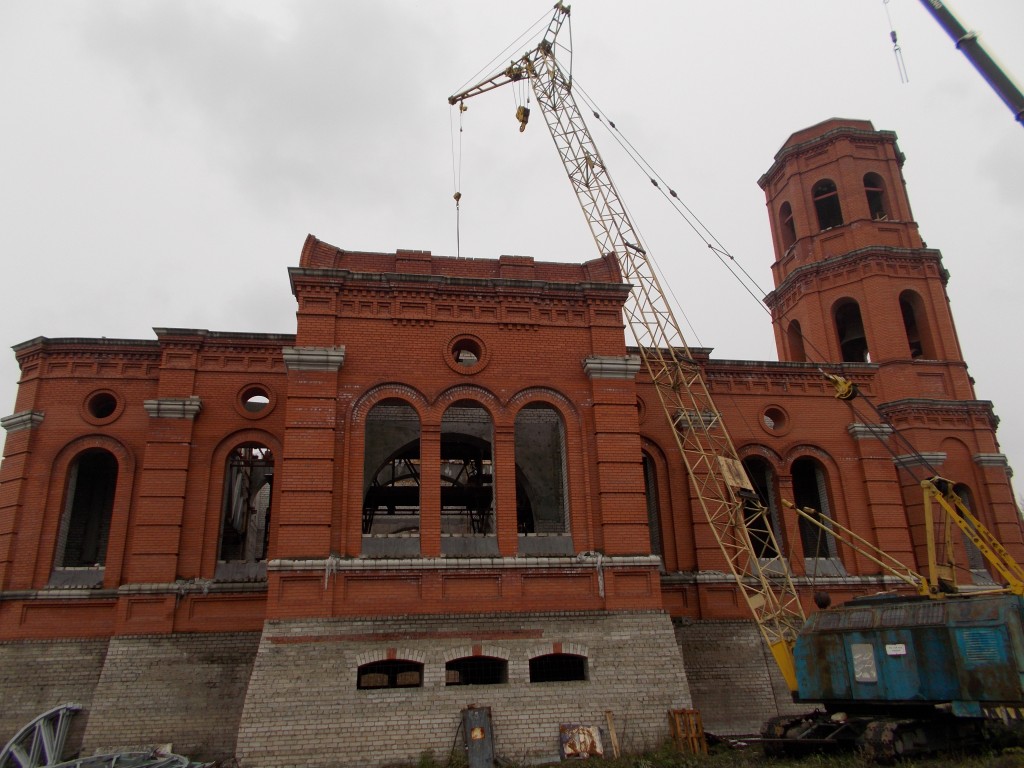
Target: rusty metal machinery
[(717, 477)]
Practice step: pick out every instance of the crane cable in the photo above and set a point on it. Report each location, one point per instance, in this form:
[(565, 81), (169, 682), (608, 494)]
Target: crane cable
[(457, 153), (897, 51), (684, 211), (457, 174), (735, 267)]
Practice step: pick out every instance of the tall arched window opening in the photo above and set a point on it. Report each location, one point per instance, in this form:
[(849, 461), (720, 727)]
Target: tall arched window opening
[(915, 323), (653, 505), (975, 559), (248, 486), (89, 505), (826, 204), (853, 342), (810, 491), (795, 342), (391, 481), (878, 204), (762, 477), (467, 481), (787, 229), (542, 494)]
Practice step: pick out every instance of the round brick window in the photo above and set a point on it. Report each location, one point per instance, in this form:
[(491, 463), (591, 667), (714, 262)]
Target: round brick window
[(102, 406), (775, 420), (466, 354), (255, 401)]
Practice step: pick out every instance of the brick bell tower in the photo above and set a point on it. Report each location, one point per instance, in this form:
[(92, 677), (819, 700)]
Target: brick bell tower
[(858, 290), (854, 280)]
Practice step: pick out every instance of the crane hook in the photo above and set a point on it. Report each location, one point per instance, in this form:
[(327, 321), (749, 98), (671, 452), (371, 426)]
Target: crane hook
[(523, 116)]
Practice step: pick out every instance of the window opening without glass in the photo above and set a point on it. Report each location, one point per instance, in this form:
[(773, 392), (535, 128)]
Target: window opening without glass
[(248, 485), (476, 670), (85, 528), (558, 668)]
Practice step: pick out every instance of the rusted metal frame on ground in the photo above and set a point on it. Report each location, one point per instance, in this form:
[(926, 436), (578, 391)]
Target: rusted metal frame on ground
[(41, 742)]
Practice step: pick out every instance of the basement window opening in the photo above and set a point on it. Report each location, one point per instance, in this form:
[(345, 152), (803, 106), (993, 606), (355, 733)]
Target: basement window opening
[(389, 674), (558, 668), (476, 670)]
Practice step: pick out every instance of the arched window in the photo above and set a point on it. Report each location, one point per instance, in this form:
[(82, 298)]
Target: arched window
[(787, 229), (540, 460), (248, 484), (853, 342), (915, 323), (393, 673), (826, 204), (558, 668), (653, 505), (795, 342), (810, 492), (975, 559), (476, 670), (878, 204), (391, 481), (762, 477), (467, 481), (89, 504)]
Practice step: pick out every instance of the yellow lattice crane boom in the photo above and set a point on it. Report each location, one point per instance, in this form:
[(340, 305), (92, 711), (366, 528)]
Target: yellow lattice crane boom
[(717, 477)]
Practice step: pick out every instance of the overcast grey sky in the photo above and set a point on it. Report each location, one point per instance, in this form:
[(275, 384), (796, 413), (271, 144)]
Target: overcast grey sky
[(161, 161)]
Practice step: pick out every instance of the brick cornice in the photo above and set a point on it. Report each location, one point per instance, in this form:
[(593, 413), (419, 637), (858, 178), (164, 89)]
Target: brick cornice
[(612, 367), (991, 460), (331, 565), (860, 134), (390, 282), (923, 459), (883, 254), (21, 420), (869, 431), (920, 408), (174, 407), (313, 358)]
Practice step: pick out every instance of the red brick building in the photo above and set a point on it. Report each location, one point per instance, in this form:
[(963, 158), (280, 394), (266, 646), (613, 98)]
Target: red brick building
[(453, 473)]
